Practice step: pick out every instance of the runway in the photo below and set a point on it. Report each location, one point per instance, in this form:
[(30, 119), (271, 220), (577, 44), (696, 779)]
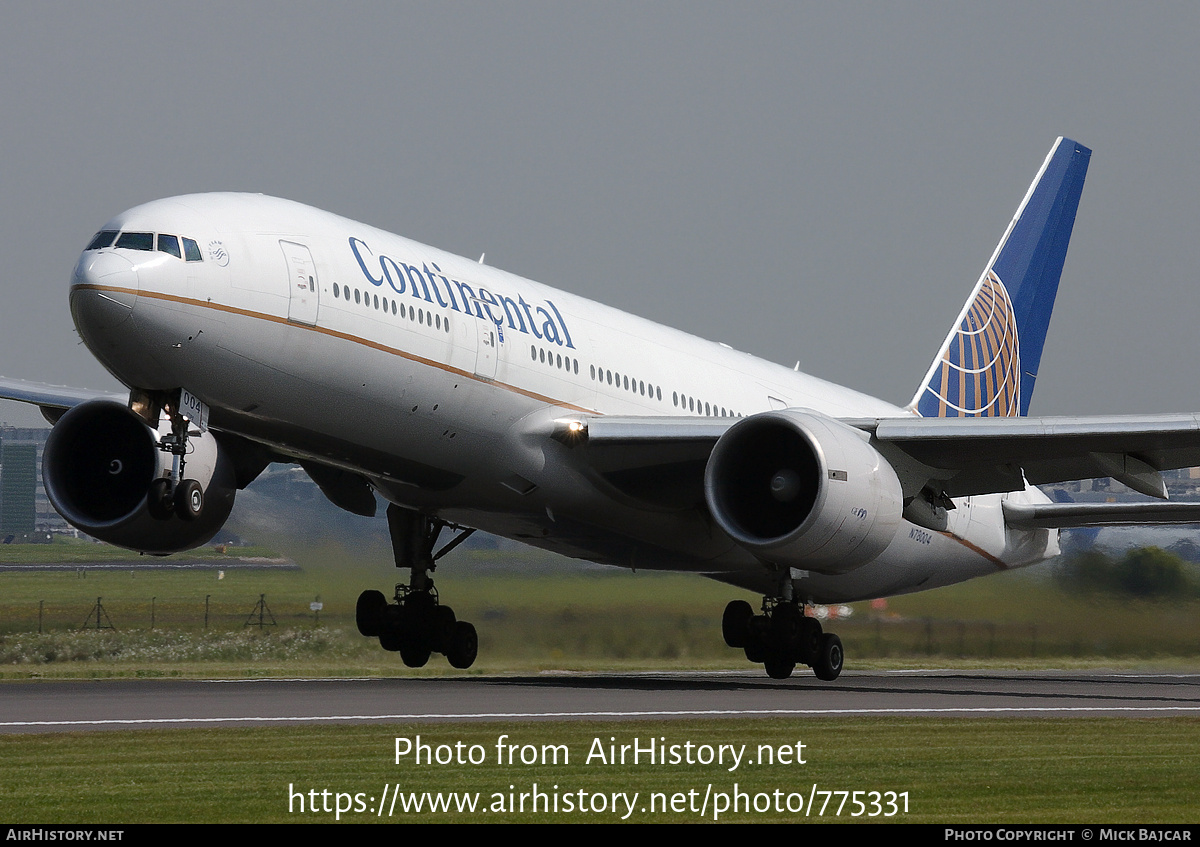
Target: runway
[(84, 706)]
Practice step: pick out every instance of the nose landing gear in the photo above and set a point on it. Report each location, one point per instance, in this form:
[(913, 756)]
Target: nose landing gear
[(417, 624), (173, 494)]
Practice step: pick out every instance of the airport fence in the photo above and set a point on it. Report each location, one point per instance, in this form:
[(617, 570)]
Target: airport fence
[(563, 635)]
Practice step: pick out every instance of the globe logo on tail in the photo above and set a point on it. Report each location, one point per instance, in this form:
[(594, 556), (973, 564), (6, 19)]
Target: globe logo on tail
[(979, 374)]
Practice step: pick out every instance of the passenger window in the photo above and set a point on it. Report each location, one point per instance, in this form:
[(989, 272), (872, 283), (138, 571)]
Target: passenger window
[(136, 240), (191, 250), (336, 291), (104, 238)]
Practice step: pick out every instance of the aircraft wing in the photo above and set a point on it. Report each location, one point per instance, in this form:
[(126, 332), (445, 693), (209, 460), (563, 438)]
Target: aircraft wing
[(656, 461), (52, 399), (650, 457)]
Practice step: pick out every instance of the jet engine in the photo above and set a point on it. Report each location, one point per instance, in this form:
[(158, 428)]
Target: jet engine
[(803, 490), (99, 465)]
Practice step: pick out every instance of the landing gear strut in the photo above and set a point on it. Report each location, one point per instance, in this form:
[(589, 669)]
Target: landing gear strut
[(173, 494), (417, 624), (782, 637)]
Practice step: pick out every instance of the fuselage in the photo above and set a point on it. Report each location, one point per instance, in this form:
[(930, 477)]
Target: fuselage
[(438, 378)]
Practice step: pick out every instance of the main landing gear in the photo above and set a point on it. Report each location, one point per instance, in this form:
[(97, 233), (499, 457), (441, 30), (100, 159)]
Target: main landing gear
[(782, 637), (174, 495), (417, 624)]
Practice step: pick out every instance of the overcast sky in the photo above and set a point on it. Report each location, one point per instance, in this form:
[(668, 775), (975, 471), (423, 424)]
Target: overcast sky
[(820, 182)]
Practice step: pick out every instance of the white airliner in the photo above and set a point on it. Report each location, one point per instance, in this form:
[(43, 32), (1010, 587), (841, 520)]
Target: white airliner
[(252, 330)]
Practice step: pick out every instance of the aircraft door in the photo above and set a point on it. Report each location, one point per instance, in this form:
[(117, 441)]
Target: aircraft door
[(463, 342), (303, 290), (487, 341), (487, 351)]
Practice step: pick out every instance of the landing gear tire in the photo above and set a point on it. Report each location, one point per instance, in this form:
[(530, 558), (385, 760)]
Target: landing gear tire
[(464, 646), (391, 632), (808, 642), (414, 650), (830, 658), (160, 501), (390, 639), (370, 611), (758, 636), (189, 500), (787, 624), (779, 666), (735, 623), (444, 626)]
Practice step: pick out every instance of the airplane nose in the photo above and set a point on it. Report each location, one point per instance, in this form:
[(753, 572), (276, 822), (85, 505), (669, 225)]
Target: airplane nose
[(103, 292)]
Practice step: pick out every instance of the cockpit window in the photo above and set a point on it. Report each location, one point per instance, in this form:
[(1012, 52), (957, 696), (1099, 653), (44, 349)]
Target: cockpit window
[(192, 250), (169, 244), (103, 239), (136, 240)]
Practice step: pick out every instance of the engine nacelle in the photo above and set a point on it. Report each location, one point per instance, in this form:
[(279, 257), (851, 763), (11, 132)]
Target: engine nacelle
[(802, 490), (98, 464)]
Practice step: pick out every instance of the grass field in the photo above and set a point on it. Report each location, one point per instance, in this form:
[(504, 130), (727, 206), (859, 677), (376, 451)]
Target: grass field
[(952, 771)]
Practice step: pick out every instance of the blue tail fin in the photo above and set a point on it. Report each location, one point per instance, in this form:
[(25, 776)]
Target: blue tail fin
[(989, 362)]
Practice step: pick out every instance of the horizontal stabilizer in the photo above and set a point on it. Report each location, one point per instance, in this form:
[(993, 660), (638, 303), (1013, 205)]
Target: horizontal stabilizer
[(1068, 515)]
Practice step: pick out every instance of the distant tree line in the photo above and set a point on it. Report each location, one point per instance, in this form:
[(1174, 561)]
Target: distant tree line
[(1148, 573)]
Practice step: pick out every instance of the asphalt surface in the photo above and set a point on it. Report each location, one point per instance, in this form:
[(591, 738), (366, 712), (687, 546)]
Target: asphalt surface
[(84, 706)]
